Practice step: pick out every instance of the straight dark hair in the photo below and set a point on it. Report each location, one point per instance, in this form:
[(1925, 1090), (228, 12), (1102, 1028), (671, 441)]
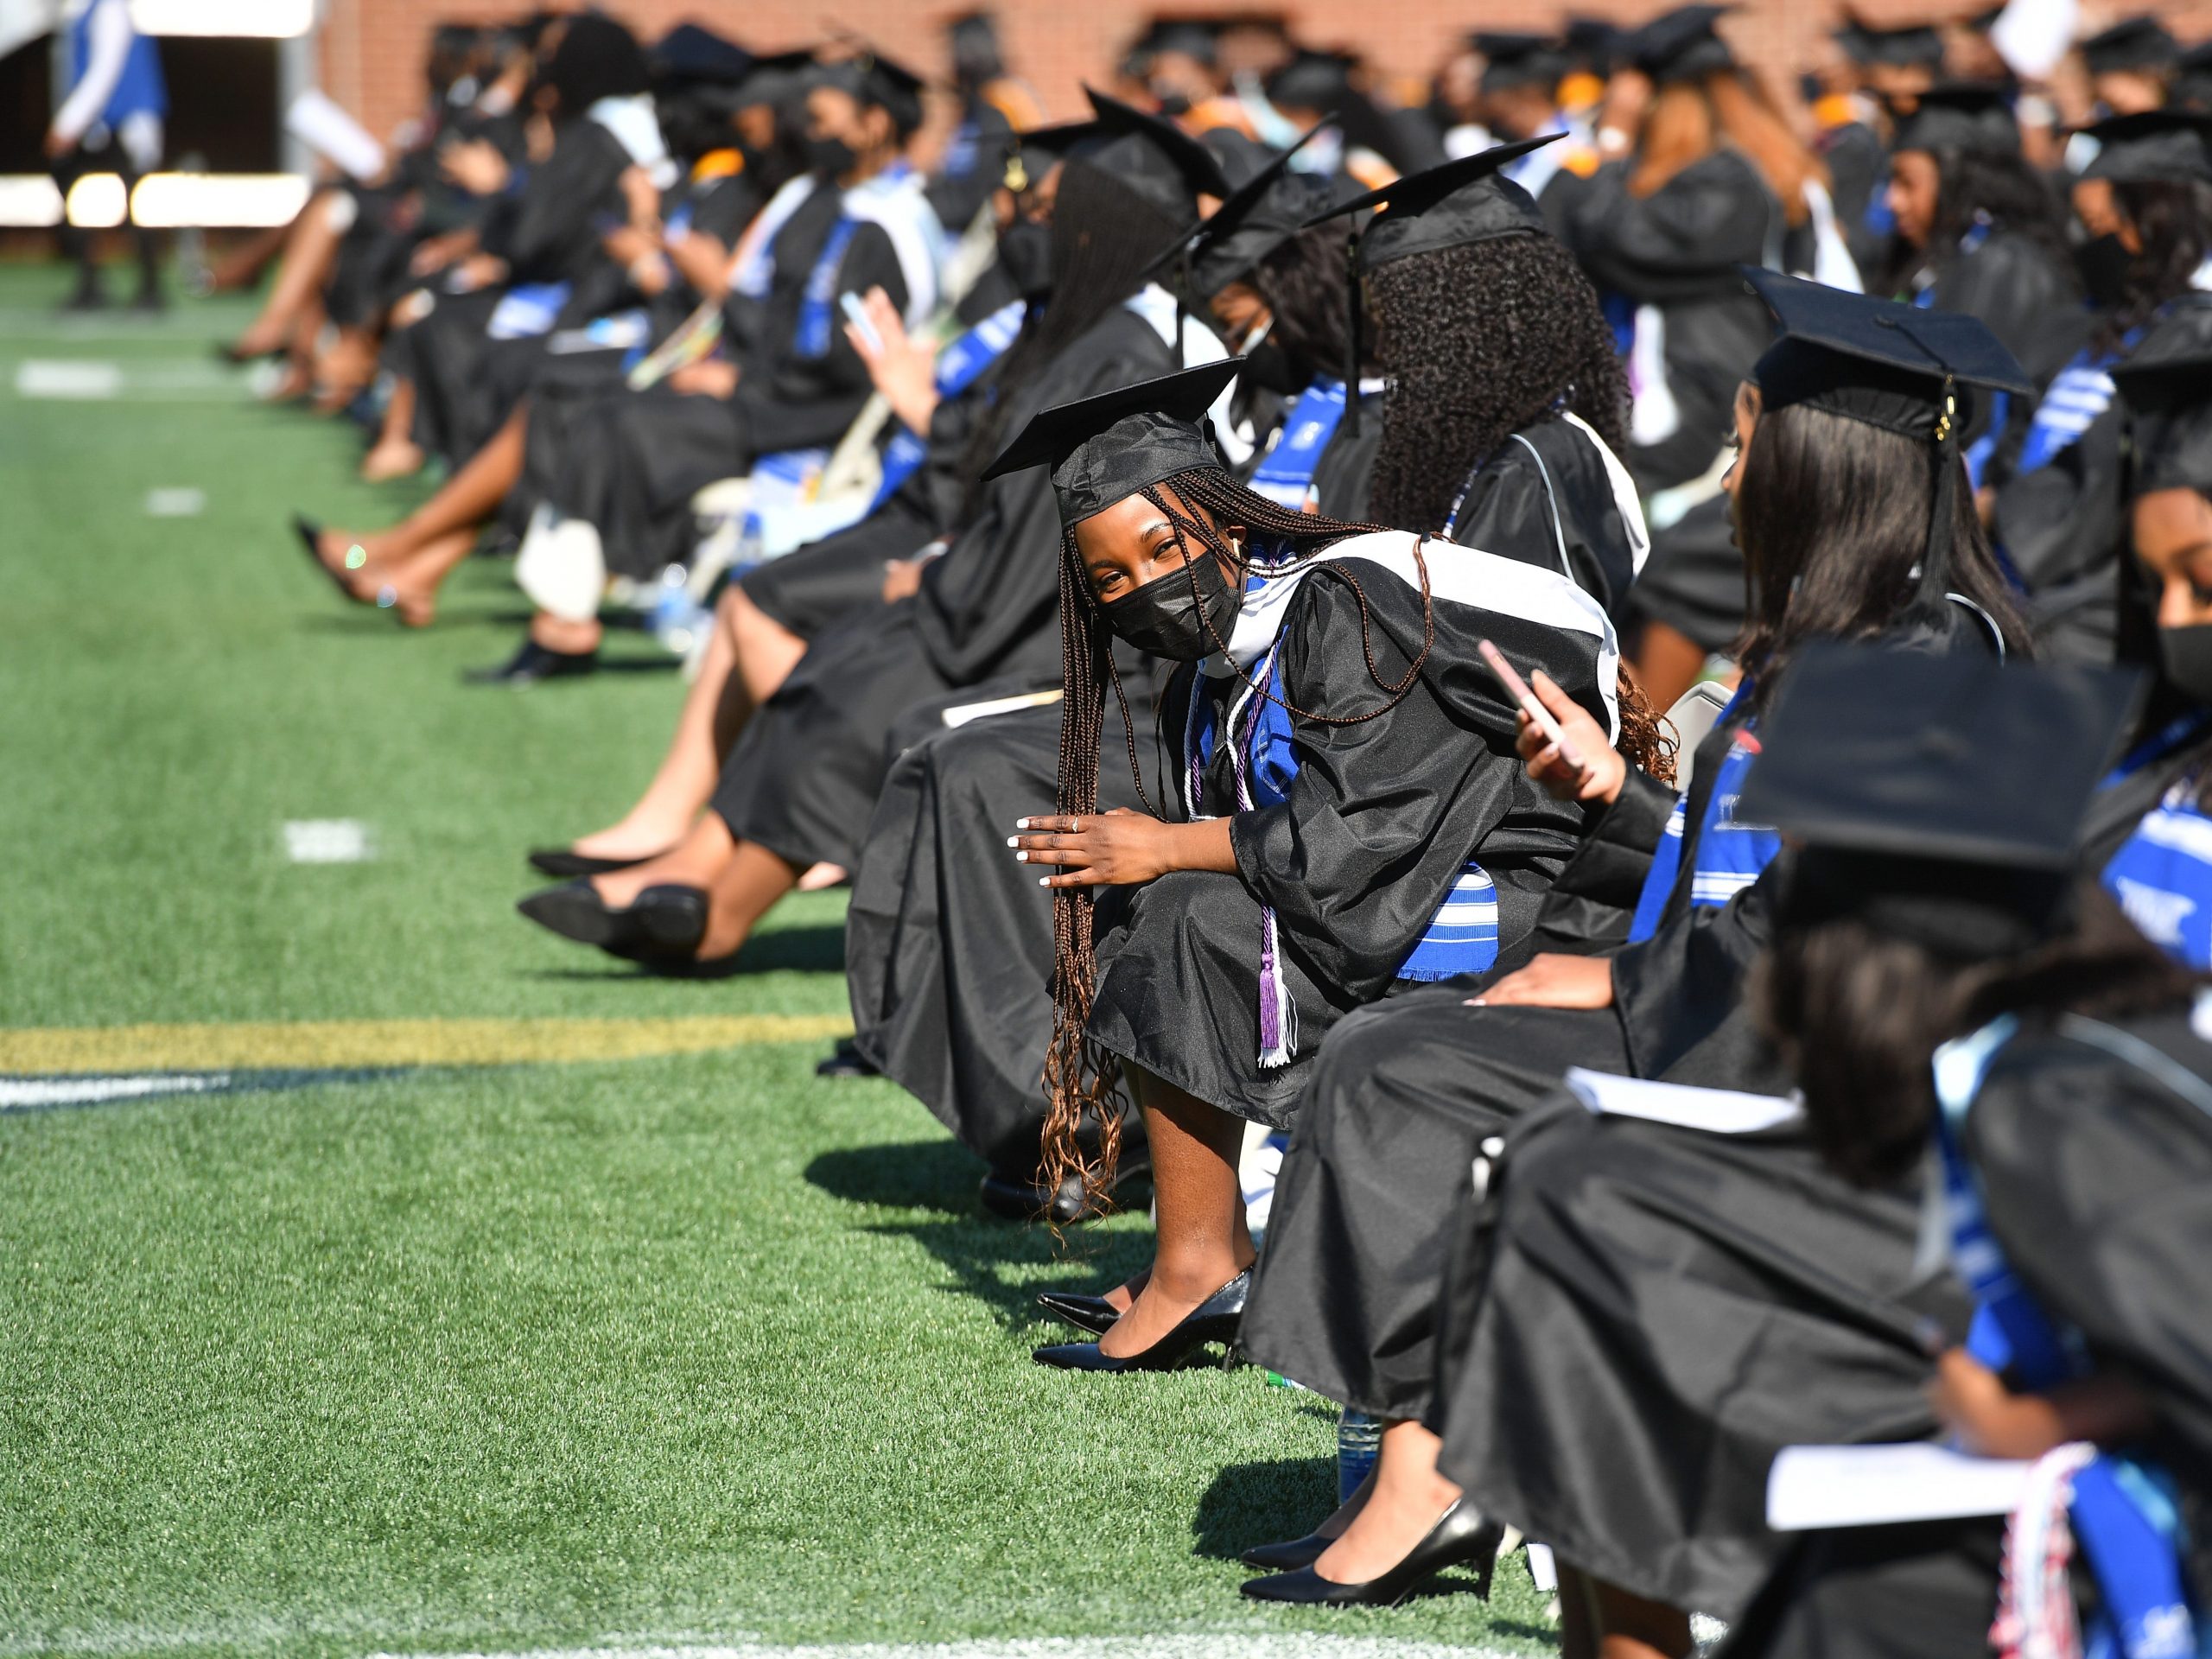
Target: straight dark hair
[(2175, 221), (1832, 516), (1858, 1015), (2003, 190)]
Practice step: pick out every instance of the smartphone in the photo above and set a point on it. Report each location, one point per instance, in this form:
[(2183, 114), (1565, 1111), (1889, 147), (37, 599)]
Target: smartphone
[(856, 314), (1517, 689)]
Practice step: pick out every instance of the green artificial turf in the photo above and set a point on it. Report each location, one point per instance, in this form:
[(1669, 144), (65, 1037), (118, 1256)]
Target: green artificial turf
[(452, 1359)]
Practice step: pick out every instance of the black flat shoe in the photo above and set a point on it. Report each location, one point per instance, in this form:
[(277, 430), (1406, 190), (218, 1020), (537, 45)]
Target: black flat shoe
[(532, 663), (1215, 1319), (1289, 1557), (565, 865), (846, 1060), (1461, 1536), (663, 924), (1092, 1313)]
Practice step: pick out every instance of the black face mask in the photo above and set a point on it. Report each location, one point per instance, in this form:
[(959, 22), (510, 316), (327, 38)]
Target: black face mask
[(830, 159), (1162, 620), (2186, 656), (1026, 256), (2105, 264)]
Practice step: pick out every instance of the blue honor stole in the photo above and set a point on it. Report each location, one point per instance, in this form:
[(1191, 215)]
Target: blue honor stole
[(1284, 476), (1729, 855)]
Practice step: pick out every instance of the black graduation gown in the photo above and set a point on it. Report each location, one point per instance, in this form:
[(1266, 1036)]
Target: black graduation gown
[(804, 779), (1679, 250), (2012, 285), (1858, 165), (635, 460), (2063, 527), (1349, 1292), (1379, 822), (2096, 1174), (1552, 466), (948, 941), (550, 236)]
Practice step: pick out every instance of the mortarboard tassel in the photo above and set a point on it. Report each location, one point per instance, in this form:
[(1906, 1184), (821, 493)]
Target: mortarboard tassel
[(1356, 318)]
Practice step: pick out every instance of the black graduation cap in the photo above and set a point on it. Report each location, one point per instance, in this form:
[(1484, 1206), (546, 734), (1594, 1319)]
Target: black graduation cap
[(775, 78), (1680, 45), (2140, 42), (1243, 158), (1917, 46), (2192, 81), (2167, 381), (1259, 216), (1030, 156), (2152, 147), (1936, 797), (974, 37), (1461, 202), (874, 78), (1889, 364), (1969, 117), (1189, 37), (1593, 43), (691, 52), (1314, 80), (1104, 450), (1518, 59), (1152, 156)]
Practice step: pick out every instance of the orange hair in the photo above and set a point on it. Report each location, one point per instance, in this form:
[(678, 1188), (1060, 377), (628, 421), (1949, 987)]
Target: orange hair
[(1689, 120)]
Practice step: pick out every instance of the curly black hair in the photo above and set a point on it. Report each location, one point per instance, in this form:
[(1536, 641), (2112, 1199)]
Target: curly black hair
[(2175, 221), (1479, 342), (1976, 186)]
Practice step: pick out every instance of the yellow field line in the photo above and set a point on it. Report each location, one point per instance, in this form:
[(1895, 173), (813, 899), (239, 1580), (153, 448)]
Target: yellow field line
[(312, 1044)]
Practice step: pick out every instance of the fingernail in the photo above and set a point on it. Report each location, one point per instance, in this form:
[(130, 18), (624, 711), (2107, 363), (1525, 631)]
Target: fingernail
[(1022, 858), (1044, 880), (1021, 824), (1476, 1003), (1012, 841)]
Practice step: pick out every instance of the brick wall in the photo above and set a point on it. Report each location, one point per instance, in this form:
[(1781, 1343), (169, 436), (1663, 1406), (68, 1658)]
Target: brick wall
[(372, 49)]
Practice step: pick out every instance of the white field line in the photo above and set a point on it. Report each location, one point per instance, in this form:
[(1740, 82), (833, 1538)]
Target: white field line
[(1247, 1642), (26, 1094)]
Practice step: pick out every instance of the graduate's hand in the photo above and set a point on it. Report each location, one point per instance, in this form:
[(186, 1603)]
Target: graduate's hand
[(1119, 848), (711, 377), (57, 146), (642, 197), (1553, 982), (434, 253), (476, 165), (1598, 778), (479, 270), (903, 369), (1986, 1417), (902, 578)]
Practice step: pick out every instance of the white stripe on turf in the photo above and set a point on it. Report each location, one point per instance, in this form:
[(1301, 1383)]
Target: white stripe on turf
[(23, 1094), (1248, 1642)]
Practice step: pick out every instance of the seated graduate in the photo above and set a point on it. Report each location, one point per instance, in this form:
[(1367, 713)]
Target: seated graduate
[(1979, 230), (799, 787), (681, 251), (2143, 829), (948, 945), (2145, 203), (1344, 814), (1850, 501), (614, 474), (2069, 1113), (765, 617), (1502, 380)]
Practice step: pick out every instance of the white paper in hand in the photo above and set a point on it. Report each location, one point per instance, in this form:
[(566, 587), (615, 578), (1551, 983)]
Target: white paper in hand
[(319, 124), (1812, 1486), (1717, 1111)]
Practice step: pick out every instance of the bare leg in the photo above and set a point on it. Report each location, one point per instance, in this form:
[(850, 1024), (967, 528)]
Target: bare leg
[(747, 888), (571, 636), (746, 659), (463, 503), (1619, 1625), (415, 582), (242, 264), (695, 861), (341, 371), (1203, 1241), (310, 251), (1407, 1496), (395, 454), (1667, 663)]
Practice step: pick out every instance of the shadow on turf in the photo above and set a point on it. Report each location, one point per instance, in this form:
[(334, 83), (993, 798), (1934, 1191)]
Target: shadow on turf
[(941, 1177), (1251, 1503), (787, 949)]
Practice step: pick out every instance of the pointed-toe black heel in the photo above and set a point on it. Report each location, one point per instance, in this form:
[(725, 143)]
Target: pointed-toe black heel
[(663, 924), (1092, 1313), (1214, 1320), (1287, 1557), (1460, 1537), (564, 863)]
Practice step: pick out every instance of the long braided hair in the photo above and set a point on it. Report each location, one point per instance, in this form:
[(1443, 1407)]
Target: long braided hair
[(1083, 1083)]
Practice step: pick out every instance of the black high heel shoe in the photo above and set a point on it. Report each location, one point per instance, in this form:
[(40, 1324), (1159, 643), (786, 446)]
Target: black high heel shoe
[(1092, 1313), (1460, 1535), (1287, 1557), (565, 862), (663, 924), (1215, 1319)]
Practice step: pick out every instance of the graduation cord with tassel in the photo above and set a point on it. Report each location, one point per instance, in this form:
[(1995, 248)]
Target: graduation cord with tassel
[(1278, 1009), (1356, 316)]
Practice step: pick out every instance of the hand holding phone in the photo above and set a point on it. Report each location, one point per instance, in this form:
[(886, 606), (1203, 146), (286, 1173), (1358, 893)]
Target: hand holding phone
[(856, 314), (1517, 689)]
